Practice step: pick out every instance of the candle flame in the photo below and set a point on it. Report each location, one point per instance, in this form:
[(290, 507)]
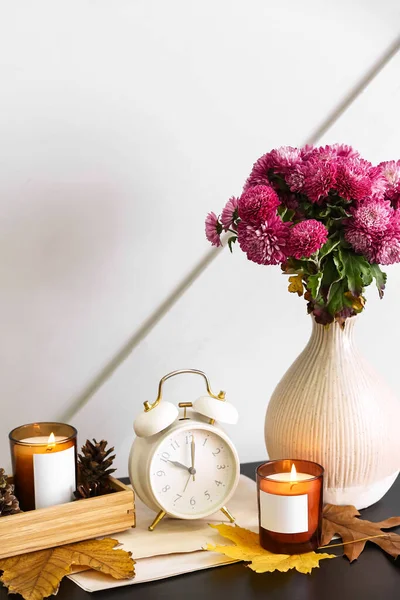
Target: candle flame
[(293, 473), (51, 442)]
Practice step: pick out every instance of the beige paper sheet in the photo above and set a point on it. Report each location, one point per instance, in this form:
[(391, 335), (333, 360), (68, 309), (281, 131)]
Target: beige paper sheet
[(181, 540)]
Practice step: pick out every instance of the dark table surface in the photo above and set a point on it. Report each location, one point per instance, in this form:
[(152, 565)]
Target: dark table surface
[(374, 576)]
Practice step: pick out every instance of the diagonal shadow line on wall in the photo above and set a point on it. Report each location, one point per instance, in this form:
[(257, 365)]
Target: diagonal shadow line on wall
[(212, 254)]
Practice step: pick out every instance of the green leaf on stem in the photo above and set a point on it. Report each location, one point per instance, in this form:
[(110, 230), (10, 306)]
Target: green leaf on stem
[(356, 269), (314, 284), (380, 278), (327, 248), (336, 297)]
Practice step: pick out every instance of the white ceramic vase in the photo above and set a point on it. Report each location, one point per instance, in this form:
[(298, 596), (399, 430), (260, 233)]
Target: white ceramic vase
[(331, 407)]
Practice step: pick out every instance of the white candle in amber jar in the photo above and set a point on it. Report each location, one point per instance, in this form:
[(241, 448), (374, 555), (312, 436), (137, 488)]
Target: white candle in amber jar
[(41, 439), (289, 477), (44, 465)]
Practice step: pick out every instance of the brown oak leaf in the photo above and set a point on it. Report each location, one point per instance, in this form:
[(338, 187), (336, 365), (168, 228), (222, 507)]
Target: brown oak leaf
[(247, 547), (37, 575), (344, 521)]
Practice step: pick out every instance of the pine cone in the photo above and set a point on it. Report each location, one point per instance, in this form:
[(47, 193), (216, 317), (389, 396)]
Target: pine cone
[(3, 480), (9, 504), (94, 469)]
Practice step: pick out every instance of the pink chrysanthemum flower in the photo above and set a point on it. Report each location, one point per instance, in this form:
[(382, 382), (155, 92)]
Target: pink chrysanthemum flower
[(305, 238), (230, 213), (280, 160), (378, 183), (380, 246), (353, 178), (295, 179), (213, 229), (389, 249), (372, 216), (264, 244), (362, 242), (345, 151), (391, 172), (320, 177), (257, 204)]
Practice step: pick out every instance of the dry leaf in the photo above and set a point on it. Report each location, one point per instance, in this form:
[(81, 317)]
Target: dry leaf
[(343, 521), (247, 548), (37, 575), (357, 302), (296, 284)]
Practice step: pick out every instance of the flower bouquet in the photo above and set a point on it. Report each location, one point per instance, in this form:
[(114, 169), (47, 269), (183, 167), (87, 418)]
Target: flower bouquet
[(326, 215)]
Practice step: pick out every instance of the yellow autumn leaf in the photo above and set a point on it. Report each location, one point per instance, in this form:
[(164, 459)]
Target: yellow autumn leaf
[(247, 547), (37, 575), (296, 284), (357, 303)]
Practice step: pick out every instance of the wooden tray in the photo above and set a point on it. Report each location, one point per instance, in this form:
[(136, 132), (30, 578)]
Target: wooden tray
[(67, 523)]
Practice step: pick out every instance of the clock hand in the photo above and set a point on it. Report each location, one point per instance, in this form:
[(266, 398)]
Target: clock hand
[(188, 479), (178, 464), (193, 449)]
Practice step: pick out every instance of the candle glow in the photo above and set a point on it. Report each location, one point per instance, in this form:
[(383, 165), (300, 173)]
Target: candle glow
[(293, 473), (51, 442)]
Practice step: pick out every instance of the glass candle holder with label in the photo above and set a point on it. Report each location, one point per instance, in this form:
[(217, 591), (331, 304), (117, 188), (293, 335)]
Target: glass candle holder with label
[(290, 505), (44, 464)]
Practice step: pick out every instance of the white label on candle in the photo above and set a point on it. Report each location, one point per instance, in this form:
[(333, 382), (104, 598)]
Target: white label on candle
[(54, 477), (284, 514)]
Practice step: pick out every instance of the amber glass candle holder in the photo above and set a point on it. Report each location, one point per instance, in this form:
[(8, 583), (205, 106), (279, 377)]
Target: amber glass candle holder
[(44, 464), (290, 505)]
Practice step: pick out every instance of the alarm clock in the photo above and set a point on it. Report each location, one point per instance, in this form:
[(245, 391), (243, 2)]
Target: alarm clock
[(185, 466)]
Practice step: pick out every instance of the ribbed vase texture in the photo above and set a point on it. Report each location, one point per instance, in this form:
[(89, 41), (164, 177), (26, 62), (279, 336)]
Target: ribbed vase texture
[(331, 407)]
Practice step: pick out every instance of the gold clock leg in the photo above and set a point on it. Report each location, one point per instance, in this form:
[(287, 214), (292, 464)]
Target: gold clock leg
[(226, 512), (156, 521)]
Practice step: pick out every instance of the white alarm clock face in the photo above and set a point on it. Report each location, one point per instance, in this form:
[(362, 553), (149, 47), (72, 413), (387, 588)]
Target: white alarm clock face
[(194, 471)]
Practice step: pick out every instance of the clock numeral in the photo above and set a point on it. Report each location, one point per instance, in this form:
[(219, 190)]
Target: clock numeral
[(221, 466), (218, 450), (160, 473), (166, 488), (218, 482), (205, 441), (165, 456), (192, 501), (207, 495), (178, 497), (174, 445), (189, 438)]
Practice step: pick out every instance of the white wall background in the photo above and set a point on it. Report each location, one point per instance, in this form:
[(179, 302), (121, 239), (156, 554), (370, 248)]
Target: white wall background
[(122, 123)]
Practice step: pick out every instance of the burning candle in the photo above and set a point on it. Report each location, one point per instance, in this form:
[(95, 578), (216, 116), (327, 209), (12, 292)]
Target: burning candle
[(44, 464), (290, 505)]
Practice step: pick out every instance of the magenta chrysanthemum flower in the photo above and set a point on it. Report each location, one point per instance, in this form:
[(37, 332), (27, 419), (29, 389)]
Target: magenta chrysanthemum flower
[(319, 177), (345, 151), (280, 160), (377, 238), (372, 216), (230, 213), (257, 204), (295, 178), (389, 249), (305, 238), (213, 229), (264, 244), (363, 243), (391, 172), (353, 180), (382, 249)]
